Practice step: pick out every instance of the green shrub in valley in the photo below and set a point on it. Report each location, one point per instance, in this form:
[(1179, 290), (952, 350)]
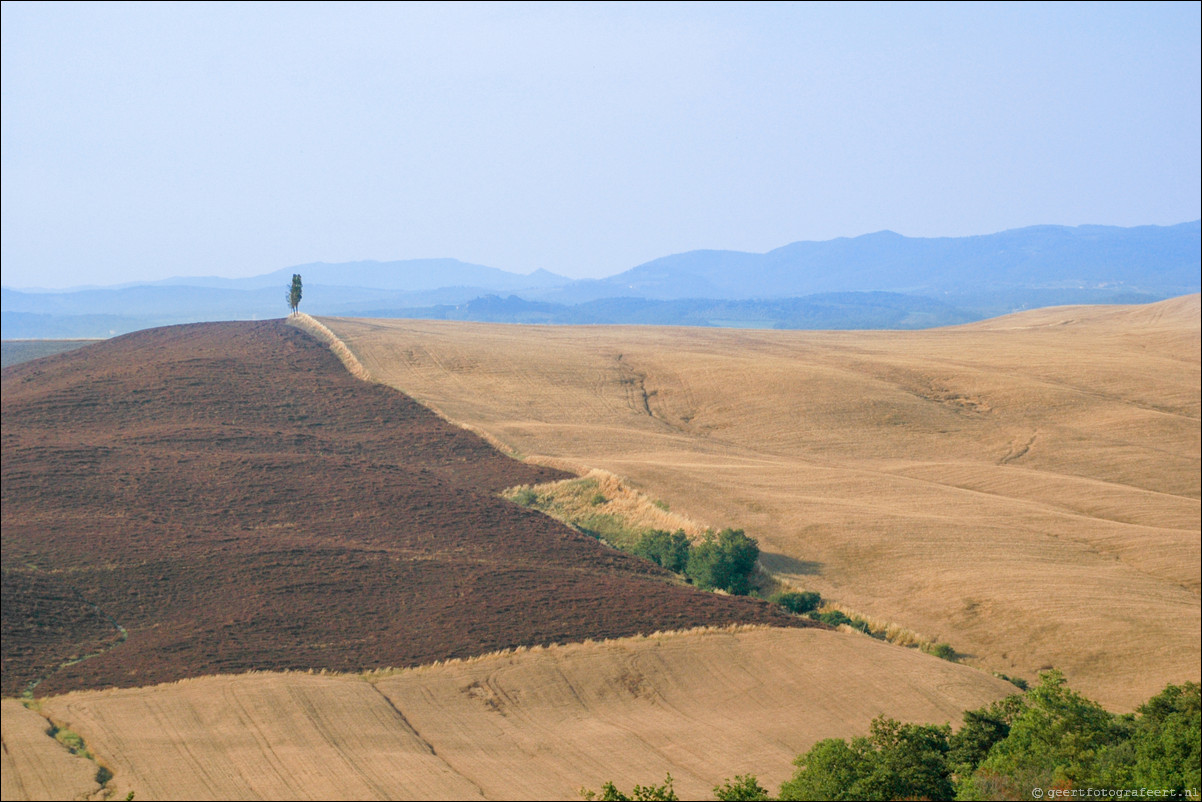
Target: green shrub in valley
[(943, 651), (1017, 682), (72, 741), (669, 550), (526, 497), (725, 561), (837, 618), (833, 618), (798, 603)]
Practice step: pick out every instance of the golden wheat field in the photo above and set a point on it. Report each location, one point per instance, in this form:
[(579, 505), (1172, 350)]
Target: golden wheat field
[(1025, 489), (535, 723), (33, 766)]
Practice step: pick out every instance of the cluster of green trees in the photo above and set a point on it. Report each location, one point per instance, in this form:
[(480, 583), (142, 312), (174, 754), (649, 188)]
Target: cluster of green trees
[(1030, 746), (798, 602), (722, 561)]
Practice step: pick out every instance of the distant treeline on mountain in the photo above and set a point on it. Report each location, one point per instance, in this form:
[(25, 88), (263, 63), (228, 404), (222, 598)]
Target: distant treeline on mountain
[(881, 280)]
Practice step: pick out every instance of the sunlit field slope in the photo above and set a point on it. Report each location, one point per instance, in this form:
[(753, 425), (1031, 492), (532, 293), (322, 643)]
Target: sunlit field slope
[(536, 724), (1026, 489), (224, 497), (35, 766)]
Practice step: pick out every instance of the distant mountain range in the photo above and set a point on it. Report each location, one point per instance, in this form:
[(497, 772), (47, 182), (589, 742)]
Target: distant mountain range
[(881, 280), (413, 275)]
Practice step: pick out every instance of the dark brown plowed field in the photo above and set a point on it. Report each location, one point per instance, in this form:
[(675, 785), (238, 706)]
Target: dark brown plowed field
[(235, 500)]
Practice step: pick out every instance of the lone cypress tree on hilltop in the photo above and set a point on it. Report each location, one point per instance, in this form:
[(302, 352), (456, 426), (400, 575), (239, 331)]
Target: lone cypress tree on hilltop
[(294, 293)]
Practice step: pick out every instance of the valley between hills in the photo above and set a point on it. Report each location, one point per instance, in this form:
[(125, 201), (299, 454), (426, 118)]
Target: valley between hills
[(286, 582)]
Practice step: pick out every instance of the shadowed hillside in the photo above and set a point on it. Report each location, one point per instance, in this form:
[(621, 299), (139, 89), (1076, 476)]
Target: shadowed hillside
[(221, 497)]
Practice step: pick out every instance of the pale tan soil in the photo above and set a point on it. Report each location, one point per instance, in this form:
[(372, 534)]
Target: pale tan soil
[(35, 766), (1026, 489), (539, 723)]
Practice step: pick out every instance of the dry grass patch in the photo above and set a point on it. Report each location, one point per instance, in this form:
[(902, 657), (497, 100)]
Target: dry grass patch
[(319, 330), (601, 504)]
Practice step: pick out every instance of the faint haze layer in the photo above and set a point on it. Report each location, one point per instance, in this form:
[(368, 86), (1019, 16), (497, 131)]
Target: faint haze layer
[(142, 141), (881, 280)]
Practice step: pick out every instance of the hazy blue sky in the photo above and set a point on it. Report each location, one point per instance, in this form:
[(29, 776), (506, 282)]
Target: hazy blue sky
[(143, 141)]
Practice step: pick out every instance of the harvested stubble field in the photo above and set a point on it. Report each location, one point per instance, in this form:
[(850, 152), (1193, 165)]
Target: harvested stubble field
[(536, 724), (224, 497), (1026, 489)]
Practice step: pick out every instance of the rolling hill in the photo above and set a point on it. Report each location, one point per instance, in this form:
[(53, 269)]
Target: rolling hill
[(1026, 489), (225, 497), (218, 498)]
